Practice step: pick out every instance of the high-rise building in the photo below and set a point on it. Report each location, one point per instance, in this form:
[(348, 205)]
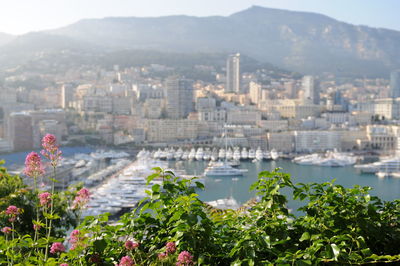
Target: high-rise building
[(179, 94), (20, 133), (311, 90), (395, 84), (67, 95), (233, 77)]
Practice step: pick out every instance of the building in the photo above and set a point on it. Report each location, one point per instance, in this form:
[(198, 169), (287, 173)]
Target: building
[(316, 140), (283, 142), (395, 84), (179, 94), (311, 90), (67, 95), (170, 130), (255, 92), (20, 133), (243, 116), (233, 77), (382, 137)]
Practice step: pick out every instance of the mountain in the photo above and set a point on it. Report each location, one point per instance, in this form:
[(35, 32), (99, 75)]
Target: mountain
[(298, 41), (5, 38)]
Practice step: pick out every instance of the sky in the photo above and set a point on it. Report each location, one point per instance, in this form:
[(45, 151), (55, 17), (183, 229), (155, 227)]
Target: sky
[(21, 16)]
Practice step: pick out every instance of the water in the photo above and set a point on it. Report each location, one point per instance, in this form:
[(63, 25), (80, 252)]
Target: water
[(223, 187)]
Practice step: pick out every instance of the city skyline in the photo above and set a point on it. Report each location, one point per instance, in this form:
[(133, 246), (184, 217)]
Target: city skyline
[(54, 14)]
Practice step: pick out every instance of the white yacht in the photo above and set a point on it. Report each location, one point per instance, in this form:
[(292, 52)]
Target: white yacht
[(244, 154), (170, 154), (222, 154), (199, 154), (274, 154), (228, 203), (207, 154), (259, 156), (214, 155), (223, 169), (192, 154), (236, 154), (387, 166), (178, 154), (229, 154), (185, 155), (328, 159), (252, 154)]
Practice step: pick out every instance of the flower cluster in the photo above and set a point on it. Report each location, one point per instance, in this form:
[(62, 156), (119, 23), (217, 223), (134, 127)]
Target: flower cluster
[(6, 230), (81, 199), (57, 247), (170, 247), (76, 239), (126, 261), (13, 212), (50, 149), (45, 199), (33, 165), (130, 245), (184, 259)]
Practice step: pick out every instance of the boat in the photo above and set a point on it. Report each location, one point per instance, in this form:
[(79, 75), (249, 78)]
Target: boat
[(236, 154), (330, 158), (185, 155), (178, 154), (229, 154), (228, 203), (199, 154), (214, 155), (170, 154), (274, 154), (388, 166), (222, 169), (244, 154), (207, 154), (222, 154), (259, 156), (192, 154), (252, 154)]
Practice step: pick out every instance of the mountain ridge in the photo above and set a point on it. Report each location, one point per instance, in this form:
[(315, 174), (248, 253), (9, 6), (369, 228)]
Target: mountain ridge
[(300, 41)]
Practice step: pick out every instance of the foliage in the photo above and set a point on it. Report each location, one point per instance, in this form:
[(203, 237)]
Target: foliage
[(172, 225)]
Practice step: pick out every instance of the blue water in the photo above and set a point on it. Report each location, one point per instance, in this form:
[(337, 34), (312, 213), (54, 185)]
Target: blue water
[(223, 187), (18, 158)]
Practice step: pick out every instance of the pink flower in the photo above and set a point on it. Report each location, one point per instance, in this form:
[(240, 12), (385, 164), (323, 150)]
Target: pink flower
[(45, 198), (51, 151), (162, 256), (171, 247), (81, 199), (57, 247), (129, 245), (185, 258), (126, 261), (36, 227), (6, 230), (74, 236), (33, 165), (64, 264), (13, 211)]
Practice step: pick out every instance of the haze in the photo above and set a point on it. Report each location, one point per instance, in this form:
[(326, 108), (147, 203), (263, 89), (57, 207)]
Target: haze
[(21, 16)]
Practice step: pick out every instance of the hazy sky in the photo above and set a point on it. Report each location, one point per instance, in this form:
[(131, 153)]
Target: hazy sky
[(20, 16)]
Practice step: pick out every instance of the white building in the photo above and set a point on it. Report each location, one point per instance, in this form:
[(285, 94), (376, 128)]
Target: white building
[(233, 76), (312, 141)]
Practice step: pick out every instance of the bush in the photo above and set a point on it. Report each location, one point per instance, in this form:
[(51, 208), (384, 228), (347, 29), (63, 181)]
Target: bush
[(172, 226)]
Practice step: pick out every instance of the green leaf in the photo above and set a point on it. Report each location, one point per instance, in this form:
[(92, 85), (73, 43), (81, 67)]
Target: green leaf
[(335, 250), (304, 236), (100, 245)]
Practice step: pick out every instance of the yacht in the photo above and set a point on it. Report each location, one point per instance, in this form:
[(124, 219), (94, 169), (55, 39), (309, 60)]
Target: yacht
[(157, 154), (330, 158), (236, 154), (222, 154), (222, 169), (229, 154), (228, 203), (259, 156), (252, 154), (274, 154), (207, 154), (192, 154), (178, 154), (199, 154), (214, 155), (388, 166), (170, 154), (244, 154), (185, 155)]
